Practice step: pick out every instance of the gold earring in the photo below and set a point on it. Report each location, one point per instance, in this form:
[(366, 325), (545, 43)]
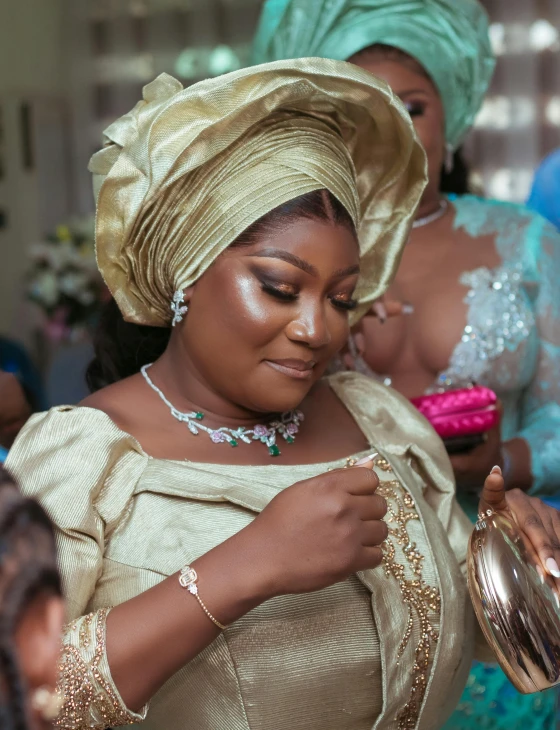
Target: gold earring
[(47, 702)]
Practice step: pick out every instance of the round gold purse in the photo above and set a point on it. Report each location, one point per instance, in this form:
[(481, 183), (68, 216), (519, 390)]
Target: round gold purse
[(517, 605)]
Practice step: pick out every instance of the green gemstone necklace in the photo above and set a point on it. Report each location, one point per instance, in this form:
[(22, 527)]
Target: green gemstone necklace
[(286, 426)]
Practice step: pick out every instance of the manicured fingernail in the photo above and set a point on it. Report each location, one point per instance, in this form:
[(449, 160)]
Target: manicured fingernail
[(496, 470), (552, 567), (407, 309), (380, 311), (366, 459)]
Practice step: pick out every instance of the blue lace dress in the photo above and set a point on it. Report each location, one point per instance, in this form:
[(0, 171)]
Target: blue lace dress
[(511, 343)]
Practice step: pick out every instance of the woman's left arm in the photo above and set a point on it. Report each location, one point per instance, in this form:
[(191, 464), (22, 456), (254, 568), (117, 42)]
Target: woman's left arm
[(531, 460)]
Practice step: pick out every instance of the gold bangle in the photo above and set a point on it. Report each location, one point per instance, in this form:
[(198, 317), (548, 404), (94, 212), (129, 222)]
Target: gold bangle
[(188, 578)]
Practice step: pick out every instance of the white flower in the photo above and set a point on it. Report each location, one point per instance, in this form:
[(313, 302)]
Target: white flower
[(45, 288), (73, 283)]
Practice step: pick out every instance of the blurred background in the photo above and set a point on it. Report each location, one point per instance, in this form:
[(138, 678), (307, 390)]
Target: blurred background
[(70, 67)]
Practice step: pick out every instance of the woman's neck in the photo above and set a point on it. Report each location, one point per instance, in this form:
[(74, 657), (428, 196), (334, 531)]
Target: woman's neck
[(175, 374), (429, 204)]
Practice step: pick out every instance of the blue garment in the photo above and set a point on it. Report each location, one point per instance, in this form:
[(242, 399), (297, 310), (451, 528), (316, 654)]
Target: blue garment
[(3, 454), (511, 342), (545, 194), (491, 702), (14, 359)]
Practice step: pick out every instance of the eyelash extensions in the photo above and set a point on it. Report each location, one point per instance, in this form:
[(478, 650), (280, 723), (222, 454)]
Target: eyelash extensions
[(290, 296)]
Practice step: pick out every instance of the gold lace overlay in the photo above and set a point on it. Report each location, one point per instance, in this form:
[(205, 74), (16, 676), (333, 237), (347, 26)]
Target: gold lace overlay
[(423, 601), (90, 700)]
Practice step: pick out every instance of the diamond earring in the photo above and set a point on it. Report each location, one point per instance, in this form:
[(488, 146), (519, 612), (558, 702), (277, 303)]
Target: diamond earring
[(178, 307), (47, 703), (449, 160)]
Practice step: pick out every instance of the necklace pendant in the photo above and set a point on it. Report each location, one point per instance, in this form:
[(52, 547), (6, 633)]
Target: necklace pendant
[(286, 426)]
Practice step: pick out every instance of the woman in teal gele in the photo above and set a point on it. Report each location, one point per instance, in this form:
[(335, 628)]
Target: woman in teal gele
[(477, 290)]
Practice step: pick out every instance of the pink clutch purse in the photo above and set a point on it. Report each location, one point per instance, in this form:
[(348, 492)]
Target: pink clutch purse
[(459, 413)]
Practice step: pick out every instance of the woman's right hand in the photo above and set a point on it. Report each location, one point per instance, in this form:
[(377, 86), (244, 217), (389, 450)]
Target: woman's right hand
[(311, 535), (320, 531)]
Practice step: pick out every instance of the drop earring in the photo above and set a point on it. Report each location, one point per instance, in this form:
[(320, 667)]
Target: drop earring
[(178, 307), (449, 161)]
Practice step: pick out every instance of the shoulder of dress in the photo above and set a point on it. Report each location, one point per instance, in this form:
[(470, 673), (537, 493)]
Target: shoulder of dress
[(519, 231), (76, 456), (492, 205), (365, 395), (79, 417), (74, 429)]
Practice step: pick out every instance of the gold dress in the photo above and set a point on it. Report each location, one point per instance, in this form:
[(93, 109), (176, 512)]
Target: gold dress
[(388, 648)]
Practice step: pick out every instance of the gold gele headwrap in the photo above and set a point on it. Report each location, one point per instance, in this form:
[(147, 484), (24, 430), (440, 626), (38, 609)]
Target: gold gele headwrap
[(188, 170)]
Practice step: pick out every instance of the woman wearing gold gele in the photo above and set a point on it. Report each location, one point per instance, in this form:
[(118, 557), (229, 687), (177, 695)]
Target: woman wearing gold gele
[(256, 584)]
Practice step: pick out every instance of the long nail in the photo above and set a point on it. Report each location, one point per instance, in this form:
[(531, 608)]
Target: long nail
[(552, 567), (407, 309), (360, 342), (496, 470), (366, 459), (380, 311)]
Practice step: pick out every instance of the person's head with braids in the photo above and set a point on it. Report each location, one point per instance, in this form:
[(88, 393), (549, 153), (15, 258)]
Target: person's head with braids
[(31, 612)]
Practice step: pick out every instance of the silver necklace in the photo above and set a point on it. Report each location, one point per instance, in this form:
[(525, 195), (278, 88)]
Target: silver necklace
[(436, 215), (286, 426)]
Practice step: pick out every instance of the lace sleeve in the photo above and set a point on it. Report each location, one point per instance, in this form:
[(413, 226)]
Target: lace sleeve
[(89, 695), (540, 421)]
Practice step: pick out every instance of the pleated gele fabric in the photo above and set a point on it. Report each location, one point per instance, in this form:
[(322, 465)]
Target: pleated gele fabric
[(188, 170), (449, 38)]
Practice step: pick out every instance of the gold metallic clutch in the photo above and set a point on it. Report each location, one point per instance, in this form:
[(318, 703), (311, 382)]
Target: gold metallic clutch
[(517, 605)]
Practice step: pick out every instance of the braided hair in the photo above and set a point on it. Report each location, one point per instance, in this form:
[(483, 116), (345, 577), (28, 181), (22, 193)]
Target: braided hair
[(27, 570)]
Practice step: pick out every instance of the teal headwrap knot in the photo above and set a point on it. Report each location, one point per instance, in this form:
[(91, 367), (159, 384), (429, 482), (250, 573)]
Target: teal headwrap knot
[(449, 38)]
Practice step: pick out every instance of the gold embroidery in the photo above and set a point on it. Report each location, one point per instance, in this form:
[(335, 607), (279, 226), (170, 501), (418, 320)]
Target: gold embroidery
[(84, 636), (89, 699), (423, 600)]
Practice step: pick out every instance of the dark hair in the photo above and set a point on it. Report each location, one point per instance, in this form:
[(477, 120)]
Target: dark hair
[(121, 348), (456, 181), (27, 570)]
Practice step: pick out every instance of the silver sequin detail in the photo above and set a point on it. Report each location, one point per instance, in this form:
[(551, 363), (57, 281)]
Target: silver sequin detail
[(499, 319)]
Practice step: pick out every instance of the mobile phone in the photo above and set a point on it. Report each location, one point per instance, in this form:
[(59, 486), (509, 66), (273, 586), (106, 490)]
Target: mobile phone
[(463, 444)]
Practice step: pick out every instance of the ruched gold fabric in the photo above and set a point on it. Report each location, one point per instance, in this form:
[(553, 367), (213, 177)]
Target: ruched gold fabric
[(188, 170), (388, 649)]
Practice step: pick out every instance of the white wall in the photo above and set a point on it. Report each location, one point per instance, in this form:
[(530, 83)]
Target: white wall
[(31, 71), (31, 46)]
